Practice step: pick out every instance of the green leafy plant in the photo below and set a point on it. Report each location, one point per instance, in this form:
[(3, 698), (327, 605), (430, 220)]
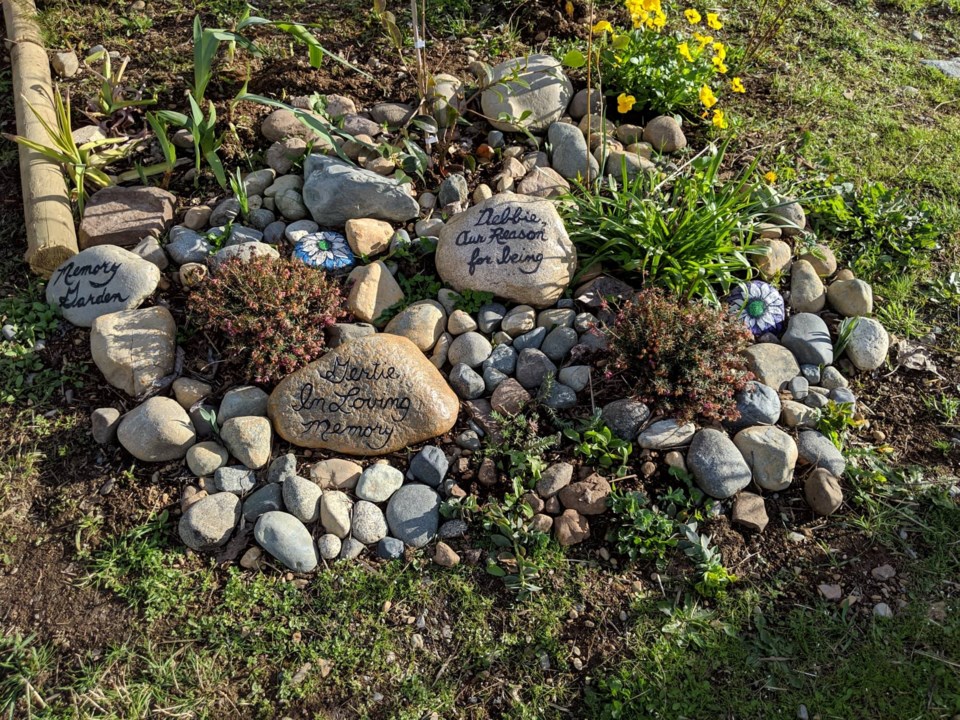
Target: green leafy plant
[(271, 311), (83, 164), (685, 358), (946, 407), (691, 235), (599, 446), (835, 420), (22, 662), (239, 190), (520, 452), (844, 331), (876, 226), (637, 529), (23, 373), (664, 69), (516, 561), (203, 131), (470, 301), (714, 577), (112, 96), (424, 286)]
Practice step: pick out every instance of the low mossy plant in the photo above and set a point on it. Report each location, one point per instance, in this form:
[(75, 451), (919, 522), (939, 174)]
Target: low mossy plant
[(272, 313)]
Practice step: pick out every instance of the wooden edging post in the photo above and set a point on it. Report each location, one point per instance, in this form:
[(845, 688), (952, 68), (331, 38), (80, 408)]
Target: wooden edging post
[(47, 213)]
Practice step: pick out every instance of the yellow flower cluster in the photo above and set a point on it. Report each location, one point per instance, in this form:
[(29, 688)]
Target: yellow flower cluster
[(646, 13)]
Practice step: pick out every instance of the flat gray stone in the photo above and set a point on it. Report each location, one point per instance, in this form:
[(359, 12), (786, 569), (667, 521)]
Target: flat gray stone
[(369, 525), (335, 191), (808, 338), (265, 499), (378, 482), (816, 449)]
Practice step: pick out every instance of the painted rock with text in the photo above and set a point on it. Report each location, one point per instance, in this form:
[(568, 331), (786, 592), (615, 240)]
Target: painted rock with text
[(514, 246), (100, 280), (370, 396)]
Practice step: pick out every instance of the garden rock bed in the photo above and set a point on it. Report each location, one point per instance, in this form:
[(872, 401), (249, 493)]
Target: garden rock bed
[(510, 333)]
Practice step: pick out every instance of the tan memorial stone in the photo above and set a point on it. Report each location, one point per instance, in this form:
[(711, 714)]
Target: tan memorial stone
[(514, 246), (370, 396)]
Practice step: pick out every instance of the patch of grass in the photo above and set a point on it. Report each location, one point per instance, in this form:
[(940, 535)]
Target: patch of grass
[(23, 661)]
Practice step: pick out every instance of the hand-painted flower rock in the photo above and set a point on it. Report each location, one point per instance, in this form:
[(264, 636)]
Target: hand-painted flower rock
[(759, 305), (325, 249)]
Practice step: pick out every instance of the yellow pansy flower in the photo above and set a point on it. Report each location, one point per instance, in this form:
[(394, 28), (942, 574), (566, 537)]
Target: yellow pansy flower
[(719, 120), (625, 103), (707, 97), (720, 50), (684, 50), (652, 6), (713, 20), (693, 17), (659, 20), (704, 40), (721, 68), (770, 177), (737, 85), (602, 26)]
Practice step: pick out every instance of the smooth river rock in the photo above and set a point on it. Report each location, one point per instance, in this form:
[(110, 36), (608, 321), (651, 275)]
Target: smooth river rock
[(101, 280), (134, 348), (529, 92), (157, 431), (371, 396), (287, 540), (335, 191), (514, 246)]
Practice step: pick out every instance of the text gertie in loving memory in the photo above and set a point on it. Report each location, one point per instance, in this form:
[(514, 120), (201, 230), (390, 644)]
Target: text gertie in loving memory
[(495, 237), (347, 395), (98, 277)]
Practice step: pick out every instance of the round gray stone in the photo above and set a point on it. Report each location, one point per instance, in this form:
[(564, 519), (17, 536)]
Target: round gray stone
[(466, 382), (503, 358), (302, 498), (816, 449), (717, 465), (471, 349), (265, 499), (209, 522), (625, 417), (758, 404), (413, 514), (378, 482), (287, 540), (369, 525), (329, 546)]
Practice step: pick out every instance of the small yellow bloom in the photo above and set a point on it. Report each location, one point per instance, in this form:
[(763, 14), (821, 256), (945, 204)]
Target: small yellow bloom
[(569, 8), (719, 120), (713, 20), (602, 26), (625, 103), (693, 17), (684, 50), (770, 177), (659, 20), (737, 85), (720, 50), (652, 6), (704, 40), (721, 68), (707, 97)]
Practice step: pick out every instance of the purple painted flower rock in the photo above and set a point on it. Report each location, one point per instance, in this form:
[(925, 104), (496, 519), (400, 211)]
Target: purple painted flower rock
[(759, 306)]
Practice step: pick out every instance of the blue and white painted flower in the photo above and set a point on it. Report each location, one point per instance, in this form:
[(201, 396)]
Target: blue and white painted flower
[(759, 305), (324, 249)]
